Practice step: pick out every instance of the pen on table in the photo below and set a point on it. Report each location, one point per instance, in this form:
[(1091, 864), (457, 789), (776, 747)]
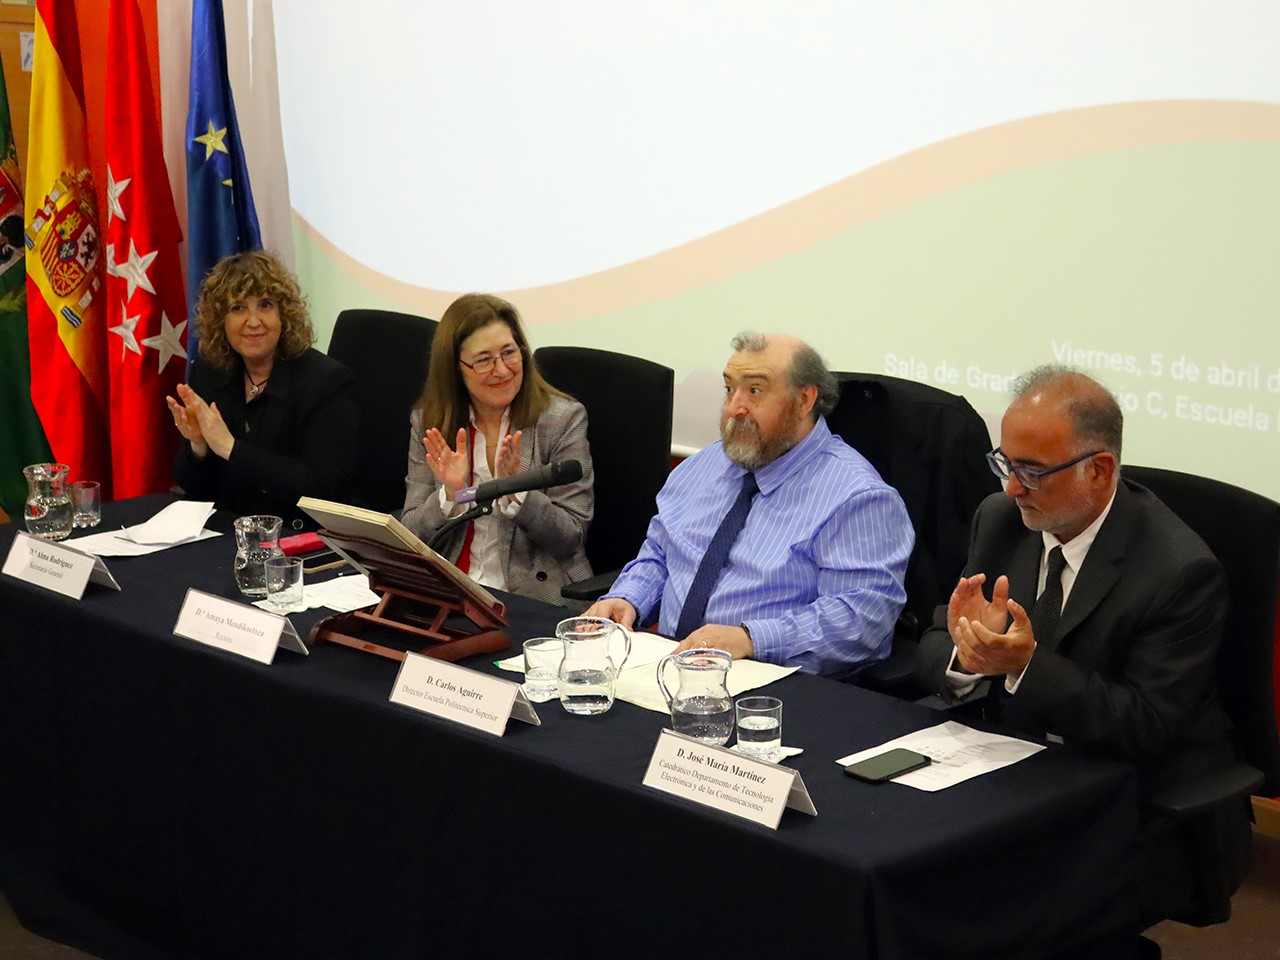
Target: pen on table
[(325, 566)]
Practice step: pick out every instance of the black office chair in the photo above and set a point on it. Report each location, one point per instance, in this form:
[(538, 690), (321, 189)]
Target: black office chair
[(931, 446), (388, 352), (1243, 531), (629, 403)]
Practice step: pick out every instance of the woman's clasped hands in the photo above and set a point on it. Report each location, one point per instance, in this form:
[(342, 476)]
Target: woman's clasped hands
[(200, 423)]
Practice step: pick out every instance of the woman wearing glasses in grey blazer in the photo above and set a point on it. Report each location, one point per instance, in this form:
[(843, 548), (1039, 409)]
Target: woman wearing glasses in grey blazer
[(486, 413)]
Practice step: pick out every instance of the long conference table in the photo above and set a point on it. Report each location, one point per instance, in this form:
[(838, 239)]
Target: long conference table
[(163, 799)]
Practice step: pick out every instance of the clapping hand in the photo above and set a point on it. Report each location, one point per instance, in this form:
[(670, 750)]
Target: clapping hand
[(508, 457), (188, 425), (200, 423), (449, 466), (986, 641)]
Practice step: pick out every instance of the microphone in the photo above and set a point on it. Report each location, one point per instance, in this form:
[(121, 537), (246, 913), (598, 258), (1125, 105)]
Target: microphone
[(551, 475)]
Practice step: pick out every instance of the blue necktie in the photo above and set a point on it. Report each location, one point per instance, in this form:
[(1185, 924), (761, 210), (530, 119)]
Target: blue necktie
[(713, 561)]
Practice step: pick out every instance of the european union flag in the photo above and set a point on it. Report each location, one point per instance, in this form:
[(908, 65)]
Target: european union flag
[(221, 219)]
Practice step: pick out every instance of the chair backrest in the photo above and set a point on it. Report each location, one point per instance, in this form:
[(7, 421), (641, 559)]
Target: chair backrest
[(388, 352), (931, 446), (1243, 531), (629, 405)]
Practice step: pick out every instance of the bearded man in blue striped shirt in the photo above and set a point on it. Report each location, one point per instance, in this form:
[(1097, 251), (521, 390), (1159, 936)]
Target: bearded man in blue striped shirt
[(814, 576)]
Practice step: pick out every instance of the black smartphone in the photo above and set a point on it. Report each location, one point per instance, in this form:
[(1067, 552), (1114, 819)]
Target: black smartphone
[(887, 765)]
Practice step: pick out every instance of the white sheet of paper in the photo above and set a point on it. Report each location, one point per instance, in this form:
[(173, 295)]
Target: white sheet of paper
[(959, 753), (180, 520), (114, 543), (646, 648), (347, 592), (638, 682), (639, 685)]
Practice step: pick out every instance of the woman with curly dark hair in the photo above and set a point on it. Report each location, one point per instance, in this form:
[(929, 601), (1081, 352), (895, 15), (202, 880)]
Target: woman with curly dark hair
[(266, 418)]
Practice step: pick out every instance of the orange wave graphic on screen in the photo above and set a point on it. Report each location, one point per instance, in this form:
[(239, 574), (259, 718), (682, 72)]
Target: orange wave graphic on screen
[(892, 185)]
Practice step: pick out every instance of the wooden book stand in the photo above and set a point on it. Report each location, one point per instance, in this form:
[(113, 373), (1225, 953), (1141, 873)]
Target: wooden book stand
[(420, 603)]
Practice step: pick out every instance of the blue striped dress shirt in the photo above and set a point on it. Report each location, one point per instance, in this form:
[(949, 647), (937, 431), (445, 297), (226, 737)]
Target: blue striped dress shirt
[(816, 575)]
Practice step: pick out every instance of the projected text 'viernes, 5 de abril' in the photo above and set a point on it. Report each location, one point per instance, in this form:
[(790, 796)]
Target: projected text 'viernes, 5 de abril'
[(1240, 395)]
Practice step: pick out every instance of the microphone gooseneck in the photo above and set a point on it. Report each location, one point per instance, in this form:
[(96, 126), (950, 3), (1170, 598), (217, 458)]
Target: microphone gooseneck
[(550, 475)]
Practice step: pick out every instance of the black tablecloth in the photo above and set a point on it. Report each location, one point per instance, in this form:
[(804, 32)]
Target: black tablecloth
[(160, 798)]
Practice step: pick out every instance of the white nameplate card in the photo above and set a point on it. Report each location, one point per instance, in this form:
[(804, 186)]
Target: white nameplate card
[(452, 692), (236, 627), (726, 780), (56, 566)]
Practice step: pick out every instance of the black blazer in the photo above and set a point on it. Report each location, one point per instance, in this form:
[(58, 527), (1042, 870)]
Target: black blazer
[(1133, 675), (297, 439)]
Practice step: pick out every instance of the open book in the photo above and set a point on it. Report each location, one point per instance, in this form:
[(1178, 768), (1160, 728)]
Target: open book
[(348, 521)]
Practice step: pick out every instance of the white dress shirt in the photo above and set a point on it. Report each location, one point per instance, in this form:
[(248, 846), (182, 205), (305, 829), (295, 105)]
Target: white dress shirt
[(486, 552)]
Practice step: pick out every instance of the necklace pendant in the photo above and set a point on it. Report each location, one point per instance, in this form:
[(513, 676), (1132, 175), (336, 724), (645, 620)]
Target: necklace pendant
[(253, 389)]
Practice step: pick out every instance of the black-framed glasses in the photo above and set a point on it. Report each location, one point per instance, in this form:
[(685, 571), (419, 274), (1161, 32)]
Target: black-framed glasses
[(1029, 477), (511, 357)]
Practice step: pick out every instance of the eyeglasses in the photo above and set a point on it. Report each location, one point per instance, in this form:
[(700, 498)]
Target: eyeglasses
[(1030, 478), (511, 357)]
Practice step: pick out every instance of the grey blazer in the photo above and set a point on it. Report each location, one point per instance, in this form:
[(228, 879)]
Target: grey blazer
[(544, 544)]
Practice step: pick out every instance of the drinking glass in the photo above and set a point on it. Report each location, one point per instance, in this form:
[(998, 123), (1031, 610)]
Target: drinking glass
[(284, 584), (760, 727), (542, 656), (86, 503)]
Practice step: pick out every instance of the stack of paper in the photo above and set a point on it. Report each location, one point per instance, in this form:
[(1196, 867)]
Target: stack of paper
[(178, 523)]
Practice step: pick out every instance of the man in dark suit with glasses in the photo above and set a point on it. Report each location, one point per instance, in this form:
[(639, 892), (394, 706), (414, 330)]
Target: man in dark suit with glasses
[(1093, 609)]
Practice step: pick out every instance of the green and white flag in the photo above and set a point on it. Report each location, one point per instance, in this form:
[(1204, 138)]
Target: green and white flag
[(22, 439)]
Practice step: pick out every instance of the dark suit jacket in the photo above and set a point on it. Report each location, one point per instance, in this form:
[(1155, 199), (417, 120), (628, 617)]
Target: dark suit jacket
[(1133, 674), (297, 439)]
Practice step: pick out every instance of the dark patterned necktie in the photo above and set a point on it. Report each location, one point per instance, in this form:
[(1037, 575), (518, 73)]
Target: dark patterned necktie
[(713, 561), (1044, 615)]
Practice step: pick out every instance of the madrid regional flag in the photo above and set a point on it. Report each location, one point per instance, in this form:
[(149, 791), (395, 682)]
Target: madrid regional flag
[(145, 305), (69, 379)]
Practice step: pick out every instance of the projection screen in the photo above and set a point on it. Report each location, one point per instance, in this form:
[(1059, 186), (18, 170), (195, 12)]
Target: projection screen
[(948, 192)]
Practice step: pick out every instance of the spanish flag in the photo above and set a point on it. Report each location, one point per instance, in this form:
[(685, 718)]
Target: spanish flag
[(65, 323)]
